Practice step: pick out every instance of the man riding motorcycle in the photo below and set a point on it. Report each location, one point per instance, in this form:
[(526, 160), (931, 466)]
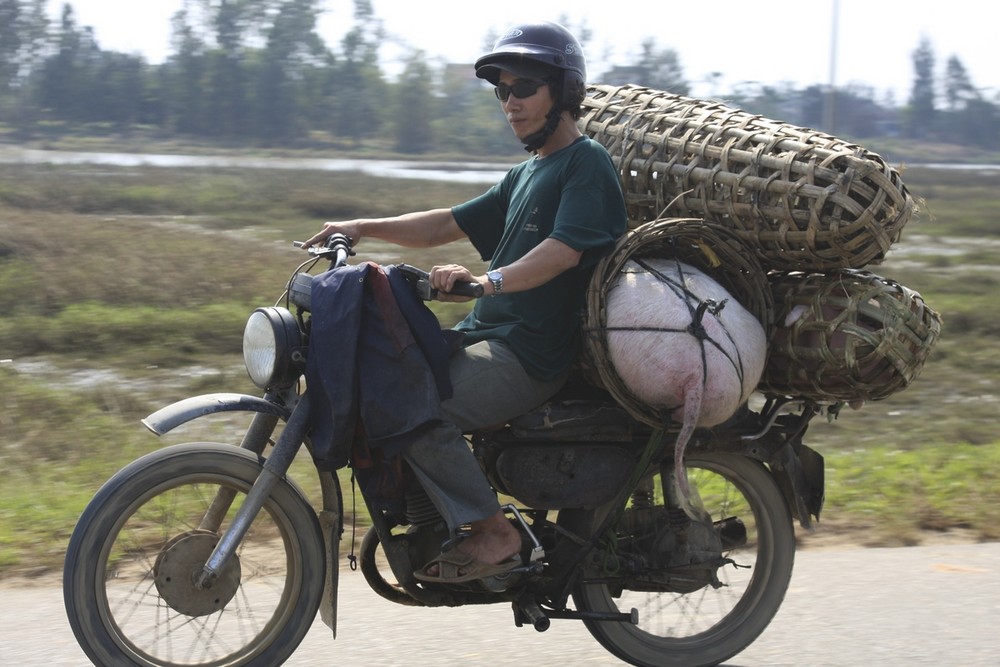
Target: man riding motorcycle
[(542, 229)]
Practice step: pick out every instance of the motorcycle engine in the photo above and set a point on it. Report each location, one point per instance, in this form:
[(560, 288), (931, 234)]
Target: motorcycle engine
[(665, 550)]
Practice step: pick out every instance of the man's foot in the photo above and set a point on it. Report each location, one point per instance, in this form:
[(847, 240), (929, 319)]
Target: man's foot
[(492, 544), (455, 567)]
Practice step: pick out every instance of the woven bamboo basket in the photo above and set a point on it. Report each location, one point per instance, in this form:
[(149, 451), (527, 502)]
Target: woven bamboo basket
[(706, 246), (803, 200), (846, 335)]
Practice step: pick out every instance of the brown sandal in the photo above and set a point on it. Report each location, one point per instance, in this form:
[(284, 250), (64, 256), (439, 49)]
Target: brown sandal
[(456, 567)]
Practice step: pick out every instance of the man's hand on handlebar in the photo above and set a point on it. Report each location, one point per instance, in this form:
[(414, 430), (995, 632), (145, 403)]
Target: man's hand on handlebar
[(421, 282), (451, 282), (348, 229), (445, 278)]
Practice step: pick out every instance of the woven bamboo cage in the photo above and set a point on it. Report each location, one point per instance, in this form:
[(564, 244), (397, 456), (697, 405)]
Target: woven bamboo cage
[(846, 335), (713, 249), (803, 200)]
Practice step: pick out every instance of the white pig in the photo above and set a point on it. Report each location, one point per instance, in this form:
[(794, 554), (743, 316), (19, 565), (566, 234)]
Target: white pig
[(680, 342)]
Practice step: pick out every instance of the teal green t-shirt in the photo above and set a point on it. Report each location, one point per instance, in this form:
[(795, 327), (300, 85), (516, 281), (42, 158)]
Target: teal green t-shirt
[(573, 196)]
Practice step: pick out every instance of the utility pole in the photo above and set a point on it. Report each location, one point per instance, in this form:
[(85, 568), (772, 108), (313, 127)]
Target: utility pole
[(829, 117)]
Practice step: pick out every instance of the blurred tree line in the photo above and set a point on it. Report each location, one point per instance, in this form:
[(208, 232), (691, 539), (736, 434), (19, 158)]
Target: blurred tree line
[(257, 71)]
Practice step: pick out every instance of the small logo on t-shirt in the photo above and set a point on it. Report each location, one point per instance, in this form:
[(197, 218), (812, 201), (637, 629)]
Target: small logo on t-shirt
[(530, 226)]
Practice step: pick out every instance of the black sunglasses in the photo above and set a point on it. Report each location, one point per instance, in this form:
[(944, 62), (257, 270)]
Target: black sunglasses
[(519, 89)]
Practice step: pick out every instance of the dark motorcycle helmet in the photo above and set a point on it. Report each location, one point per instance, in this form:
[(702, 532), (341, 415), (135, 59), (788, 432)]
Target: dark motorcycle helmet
[(545, 51)]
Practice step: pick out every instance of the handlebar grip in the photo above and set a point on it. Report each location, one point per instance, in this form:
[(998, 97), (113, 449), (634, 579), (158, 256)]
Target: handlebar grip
[(467, 289)]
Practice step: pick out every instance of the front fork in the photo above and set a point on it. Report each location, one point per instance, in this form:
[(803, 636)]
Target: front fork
[(274, 470), (255, 440)]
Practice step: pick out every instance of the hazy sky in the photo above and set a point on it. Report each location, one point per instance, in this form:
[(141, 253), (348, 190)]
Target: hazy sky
[(769, 41)]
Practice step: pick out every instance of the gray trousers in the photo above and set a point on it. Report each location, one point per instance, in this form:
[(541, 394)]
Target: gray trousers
[(490, 388)]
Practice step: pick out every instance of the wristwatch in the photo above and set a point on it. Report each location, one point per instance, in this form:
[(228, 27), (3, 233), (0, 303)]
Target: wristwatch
[(496, 278)]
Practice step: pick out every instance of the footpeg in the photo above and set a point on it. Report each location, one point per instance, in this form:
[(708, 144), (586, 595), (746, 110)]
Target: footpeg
[(631, 617), (528, 610)]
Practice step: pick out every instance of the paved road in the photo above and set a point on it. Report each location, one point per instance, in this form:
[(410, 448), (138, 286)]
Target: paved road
[(883, 607)]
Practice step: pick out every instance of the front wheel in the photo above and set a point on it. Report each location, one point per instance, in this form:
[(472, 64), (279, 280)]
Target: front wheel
[(128, 579), (702, 625)]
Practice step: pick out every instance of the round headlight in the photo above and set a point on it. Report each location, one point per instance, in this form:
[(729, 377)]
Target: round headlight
[(270, 337)]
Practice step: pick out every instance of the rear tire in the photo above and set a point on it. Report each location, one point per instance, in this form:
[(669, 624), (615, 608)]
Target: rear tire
[(126, 587), (709, 625)]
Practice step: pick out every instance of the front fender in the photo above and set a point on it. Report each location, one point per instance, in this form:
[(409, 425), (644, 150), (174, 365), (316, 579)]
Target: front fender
[(170, 417)]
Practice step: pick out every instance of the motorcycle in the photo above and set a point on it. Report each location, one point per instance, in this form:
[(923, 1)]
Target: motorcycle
[(208, 554)]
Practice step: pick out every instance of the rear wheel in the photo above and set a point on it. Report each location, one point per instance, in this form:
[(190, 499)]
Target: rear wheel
[(704, 624), (128, 579)]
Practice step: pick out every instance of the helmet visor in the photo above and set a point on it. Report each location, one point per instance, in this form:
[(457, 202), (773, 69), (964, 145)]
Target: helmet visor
[(522, 68)]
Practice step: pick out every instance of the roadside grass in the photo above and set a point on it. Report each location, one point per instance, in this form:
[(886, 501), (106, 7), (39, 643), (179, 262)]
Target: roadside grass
[(266, 199), (894, 495), (57, 443), (126, 288)]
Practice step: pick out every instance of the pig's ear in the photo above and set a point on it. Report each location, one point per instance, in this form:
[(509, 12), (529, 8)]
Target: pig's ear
[(795, 314)]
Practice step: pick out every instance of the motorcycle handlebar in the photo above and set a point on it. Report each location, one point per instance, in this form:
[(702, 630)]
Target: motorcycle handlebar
[(338, 248)]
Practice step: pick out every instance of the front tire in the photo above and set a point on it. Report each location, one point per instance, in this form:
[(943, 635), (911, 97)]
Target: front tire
[(708, 625), (126, 582)]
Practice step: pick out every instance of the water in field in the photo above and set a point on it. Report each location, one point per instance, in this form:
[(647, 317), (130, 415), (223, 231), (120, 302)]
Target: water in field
[(464, 172)]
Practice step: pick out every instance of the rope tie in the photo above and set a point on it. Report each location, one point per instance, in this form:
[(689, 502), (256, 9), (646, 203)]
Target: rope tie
[(696, 328), (697, 312)]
